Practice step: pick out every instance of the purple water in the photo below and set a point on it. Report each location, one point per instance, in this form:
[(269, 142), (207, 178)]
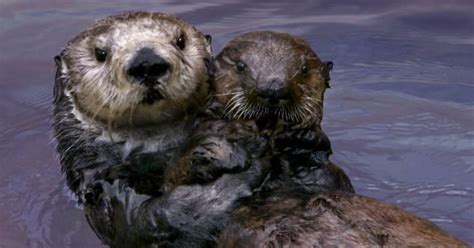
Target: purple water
[(400, 113)]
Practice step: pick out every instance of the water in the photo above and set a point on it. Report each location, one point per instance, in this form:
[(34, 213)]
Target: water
[(400, 113)]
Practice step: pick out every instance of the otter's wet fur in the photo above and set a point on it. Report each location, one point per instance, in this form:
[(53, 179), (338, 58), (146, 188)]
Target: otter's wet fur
[(127, 90), (306, 201), (299, 218), (228, 156), (102, 115), (244, 117), (239, 149)]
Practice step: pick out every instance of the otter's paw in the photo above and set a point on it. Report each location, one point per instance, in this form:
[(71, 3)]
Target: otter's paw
[(203, 166), (212, 159)]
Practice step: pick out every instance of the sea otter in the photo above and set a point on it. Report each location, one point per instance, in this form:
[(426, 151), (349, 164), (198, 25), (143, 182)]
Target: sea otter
[(127, 90), (276, 78)]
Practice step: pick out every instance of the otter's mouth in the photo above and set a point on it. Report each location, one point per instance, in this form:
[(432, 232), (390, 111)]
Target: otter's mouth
[(272, 104), (151, 96), (244, 106)]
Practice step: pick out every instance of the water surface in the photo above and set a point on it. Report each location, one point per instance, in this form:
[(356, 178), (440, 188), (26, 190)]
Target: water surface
[(400, 113)]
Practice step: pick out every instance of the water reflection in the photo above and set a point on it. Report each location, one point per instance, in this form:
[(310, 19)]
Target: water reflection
[(400, 113)]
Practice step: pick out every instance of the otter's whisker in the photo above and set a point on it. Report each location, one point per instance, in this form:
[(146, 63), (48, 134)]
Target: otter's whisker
[(226, 94), (132, 110), (232, 107), (241, 111), (106, 101)]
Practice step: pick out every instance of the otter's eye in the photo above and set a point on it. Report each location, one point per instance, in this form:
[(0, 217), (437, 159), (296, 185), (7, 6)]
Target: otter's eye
[(181, 41), (100, 54), (304, 69), (240, 66)]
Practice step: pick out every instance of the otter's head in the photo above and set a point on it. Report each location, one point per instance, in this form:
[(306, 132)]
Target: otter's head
[(134, 69), (269, 74)]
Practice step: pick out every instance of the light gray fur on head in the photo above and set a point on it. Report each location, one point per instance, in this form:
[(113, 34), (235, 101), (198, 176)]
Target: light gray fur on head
[(268, 57), (276, 60), (104, 91)]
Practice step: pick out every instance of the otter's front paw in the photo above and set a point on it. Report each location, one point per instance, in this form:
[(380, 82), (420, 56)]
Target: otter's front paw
[(204, 167), (214, 158)]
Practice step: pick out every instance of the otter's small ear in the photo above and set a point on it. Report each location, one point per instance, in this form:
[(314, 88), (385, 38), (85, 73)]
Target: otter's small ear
[(208, 38), (329, 65), (325, 71), (57, 60)]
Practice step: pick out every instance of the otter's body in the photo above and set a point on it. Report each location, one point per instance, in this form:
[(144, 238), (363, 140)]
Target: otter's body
[(302, 203), (126, 93), (296, 218)]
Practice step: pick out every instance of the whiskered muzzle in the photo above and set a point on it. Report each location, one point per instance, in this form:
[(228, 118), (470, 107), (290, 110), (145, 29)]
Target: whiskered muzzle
[(241, 106), (273, 91)]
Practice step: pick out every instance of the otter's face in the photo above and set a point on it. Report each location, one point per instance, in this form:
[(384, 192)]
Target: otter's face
[(263, 74), (136, 67)]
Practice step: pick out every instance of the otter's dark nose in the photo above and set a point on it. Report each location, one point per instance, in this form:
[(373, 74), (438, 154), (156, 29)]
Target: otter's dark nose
[(273, 91), (147, 67)]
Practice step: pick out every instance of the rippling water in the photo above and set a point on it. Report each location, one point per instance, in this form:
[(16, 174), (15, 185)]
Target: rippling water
[(400, 113)]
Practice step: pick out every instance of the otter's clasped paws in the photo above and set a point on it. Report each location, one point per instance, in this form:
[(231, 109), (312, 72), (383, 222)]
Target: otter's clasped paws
[(214, 158)]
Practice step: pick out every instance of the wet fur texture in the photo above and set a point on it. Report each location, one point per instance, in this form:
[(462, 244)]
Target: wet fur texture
[(117, 153), (103, 92), (225, 160), (268, 56), (258, 149), (298, 218), (101, 121), (236, 120), (307, 201)]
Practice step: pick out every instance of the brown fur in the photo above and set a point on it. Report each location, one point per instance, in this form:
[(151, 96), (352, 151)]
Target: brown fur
[(222, 135), (294, 211), (104, 92), (331, 219), (270, 55)]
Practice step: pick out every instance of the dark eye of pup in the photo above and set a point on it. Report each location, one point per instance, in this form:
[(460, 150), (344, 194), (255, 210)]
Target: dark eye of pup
[(240, 66), (181, 41), (100, 54), (304, 69)]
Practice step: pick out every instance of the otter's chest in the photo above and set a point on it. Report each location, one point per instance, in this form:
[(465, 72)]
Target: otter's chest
[(133, 144), (145, 158)]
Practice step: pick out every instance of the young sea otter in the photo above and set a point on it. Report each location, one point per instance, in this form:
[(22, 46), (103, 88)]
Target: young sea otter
[(264, 115), (277, 80), (267, 98)]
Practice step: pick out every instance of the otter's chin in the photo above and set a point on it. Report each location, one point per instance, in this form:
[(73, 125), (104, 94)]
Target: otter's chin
[(152, 96)]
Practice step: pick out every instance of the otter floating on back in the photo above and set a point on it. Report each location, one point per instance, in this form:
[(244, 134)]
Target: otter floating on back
[(263, 116), (277, 75), (274, 84)]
